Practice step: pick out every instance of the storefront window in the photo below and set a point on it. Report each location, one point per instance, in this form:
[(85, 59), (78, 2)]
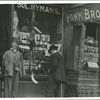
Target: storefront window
[(36, 31), (89, 47)]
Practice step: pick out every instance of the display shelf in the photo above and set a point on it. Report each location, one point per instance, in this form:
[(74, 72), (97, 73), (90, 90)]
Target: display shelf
[(37, 77)]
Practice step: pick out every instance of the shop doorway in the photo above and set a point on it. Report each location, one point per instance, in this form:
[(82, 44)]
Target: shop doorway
[(88, 32), (5, 29), (86, 58)]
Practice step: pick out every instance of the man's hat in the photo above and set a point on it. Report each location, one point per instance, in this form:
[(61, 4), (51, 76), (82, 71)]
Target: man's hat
[(14, 44), (52, 47), (15, 41)]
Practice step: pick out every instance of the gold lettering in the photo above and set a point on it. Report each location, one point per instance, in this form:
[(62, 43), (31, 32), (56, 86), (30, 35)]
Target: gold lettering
[(92, 14), (32, 7), (47, 9), (19, 5), (87, 15), (75, 17), (57, 11), (37, 8), (26, 7), (80, 16), (67, 18), (42, 8), (98, 13), (52, 11)]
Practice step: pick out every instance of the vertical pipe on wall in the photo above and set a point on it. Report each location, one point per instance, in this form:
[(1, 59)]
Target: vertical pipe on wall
[(63, 35), (62, 30), (12, 15), (62, 88)]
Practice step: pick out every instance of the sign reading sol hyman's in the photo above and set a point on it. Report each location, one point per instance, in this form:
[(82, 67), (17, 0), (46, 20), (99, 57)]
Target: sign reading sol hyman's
[(40, 8)]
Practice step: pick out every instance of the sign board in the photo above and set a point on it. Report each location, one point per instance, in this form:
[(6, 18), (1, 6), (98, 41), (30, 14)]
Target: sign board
[(92, 65), (40, 8), (83, 14)]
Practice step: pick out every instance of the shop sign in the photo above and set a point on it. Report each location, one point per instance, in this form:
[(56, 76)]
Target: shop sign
[(83, 15), (40, 8)]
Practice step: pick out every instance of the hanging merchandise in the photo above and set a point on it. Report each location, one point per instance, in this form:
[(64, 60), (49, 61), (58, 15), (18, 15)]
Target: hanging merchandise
[(33, 18), (15, 25), (24, 48), (39, 55), (42, 39), (24, 42), (91, 50), (91, 54)]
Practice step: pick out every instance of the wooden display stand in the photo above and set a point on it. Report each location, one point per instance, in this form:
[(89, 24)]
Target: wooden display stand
[(88, 84), (88, 78)]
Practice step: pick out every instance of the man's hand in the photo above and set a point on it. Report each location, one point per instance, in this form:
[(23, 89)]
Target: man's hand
[(49, 70), (17, 69)]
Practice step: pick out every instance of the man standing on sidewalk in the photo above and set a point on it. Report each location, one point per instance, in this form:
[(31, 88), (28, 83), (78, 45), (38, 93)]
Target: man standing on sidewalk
[(57, 76), (12, 61)]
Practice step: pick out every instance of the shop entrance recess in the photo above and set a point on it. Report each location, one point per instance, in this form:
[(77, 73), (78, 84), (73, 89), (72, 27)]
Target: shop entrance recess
[(87, 62)]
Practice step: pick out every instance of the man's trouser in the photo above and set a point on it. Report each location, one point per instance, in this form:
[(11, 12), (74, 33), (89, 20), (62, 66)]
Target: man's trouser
[(55, 88), (11, 85)]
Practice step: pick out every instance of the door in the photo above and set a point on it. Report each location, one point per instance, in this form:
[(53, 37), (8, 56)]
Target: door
[(5, 34), (5, 28)]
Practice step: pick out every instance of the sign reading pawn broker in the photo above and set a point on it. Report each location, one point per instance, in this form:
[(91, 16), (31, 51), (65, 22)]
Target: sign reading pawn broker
[(83, 14)]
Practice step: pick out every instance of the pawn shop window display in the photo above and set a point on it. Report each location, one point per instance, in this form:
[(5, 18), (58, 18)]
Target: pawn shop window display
[(90, 53)]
